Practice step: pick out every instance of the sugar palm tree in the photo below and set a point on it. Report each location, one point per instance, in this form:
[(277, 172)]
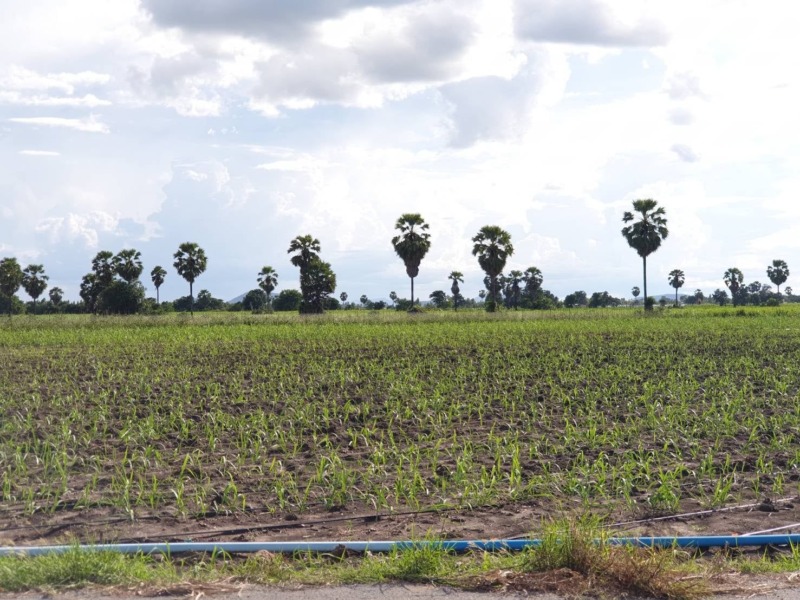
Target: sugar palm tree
[(492, 246), (676, 279), (778, 273), (268, 281), (412, 244), (646, 234), (456, 277), (128, 264), (35, 282), (733, 279), (157, 275), (190, 262)]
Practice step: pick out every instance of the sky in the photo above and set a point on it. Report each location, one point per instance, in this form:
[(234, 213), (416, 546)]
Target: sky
[(241, 124)]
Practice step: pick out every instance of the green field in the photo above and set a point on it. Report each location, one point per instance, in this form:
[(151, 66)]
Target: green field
[(355, 412)]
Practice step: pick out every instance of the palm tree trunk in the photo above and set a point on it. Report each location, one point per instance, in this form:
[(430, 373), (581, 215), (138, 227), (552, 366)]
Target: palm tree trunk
[(676, 297), (644, 274), (158, 300), (191, 299), (412, 292)]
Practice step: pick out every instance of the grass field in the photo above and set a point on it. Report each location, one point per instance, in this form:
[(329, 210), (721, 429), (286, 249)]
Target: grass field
[(238, 416)]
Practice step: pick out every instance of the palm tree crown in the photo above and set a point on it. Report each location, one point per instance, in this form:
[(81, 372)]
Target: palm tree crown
[(157, 275), (676, 279), (190, 263), (778, 273), (412, 244), (492, 246), (267, 280), (647, 233), (733, 279), (307, 248)]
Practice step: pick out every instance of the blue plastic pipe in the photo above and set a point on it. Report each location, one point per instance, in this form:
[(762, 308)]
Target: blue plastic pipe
[(713, 541)]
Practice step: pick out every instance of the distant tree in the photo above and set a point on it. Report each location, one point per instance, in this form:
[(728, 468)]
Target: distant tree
[(343, 297), (720, 297), (157, 275), (128, 265), (255, 299), (10, 280), (635, 291), (603, 300), (120, 298), (35, 282), (205, 301), (364, 300), (56, 295), (788, 291), (676, 280), (393, 297), (438, 299), (778, 273), (456, 277), (319, 283), (698, 296), (533, 279), (306, 252), (733, 279), (492, 246), (103, 268), (482, 294), (267, 281), (190, 263), (287, 300), (514, 294), (89, 291), (647, 233), (578, 298), (412, 244)]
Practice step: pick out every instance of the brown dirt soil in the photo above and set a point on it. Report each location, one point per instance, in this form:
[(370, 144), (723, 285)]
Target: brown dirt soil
[(495, 522)]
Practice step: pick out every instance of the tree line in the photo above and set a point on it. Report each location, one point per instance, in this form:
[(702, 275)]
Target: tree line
[(113, 285)]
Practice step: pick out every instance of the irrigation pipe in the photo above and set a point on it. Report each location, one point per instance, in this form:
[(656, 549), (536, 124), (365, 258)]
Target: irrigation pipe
[(713, 541)]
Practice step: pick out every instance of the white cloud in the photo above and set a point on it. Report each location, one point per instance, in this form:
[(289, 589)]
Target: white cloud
[(90, 125), (39, 153)]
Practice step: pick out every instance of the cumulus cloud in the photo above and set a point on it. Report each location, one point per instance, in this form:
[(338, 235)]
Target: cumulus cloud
[(273, 20), (74, 227), (90, 125), (590, 22), (685, 153)]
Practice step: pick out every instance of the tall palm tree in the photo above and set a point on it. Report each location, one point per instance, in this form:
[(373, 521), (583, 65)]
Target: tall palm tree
[(513, 280), (35, 282), (268, 281), (676, 279), (412, 244), (306, 255), (646, 234), (190, 262), (157, 275), (128, 264), (456, 277), (10, 280), (733, 279), (492, 246), (778, 273)]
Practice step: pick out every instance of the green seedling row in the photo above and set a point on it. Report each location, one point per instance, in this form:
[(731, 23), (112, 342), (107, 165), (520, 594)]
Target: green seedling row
[(189, 418)]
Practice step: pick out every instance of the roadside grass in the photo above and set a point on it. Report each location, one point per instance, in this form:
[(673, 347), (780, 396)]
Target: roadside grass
[(573, 559)]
